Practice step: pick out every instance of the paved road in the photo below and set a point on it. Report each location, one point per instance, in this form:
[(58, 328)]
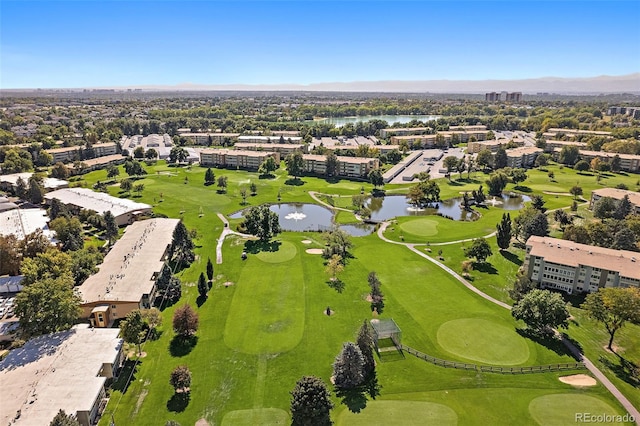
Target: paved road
[(581, 357), (225, 231)]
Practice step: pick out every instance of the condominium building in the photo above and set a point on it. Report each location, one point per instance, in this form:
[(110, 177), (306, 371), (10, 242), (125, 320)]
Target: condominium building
[(239, 159), (69, 370), (573, 267), (617, 194), (403, 131), (522, 157), (426, 141), (214, 138), (504, 96), (126, 279), (269, 139), (72, 153), (553, 133), (628, 162), (633, 112), (552, 144), (492, 97), (282, 148), (513, 97), (355, 167), (95, 164), (492, 145)]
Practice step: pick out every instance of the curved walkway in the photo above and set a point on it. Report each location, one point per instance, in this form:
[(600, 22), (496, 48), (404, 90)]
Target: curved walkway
[(581, 357), (226, 230), (314, 195)]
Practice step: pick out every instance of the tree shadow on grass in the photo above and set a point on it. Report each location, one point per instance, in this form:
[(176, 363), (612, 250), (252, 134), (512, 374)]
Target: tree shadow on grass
[(129, 369), (548, 341), (356, 398), (624, 370), (178, 402), (200, 300), (523, 188), (337, 285), (181, 346), (256, 246), (511, 257), (485, 267), (294, 182)]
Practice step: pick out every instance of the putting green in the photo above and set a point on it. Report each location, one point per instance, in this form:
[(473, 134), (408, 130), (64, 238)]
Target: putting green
[(257, 416), (267, 313), (484, 341), (421, 227), (562, 409), (286, 251), (400, 413)]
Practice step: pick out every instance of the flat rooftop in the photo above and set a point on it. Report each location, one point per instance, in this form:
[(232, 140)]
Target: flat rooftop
[(568, 253), (22, 222), (97, 201), (236, 152), (48, 183), (618, 194), (127, 270), (53, 372)]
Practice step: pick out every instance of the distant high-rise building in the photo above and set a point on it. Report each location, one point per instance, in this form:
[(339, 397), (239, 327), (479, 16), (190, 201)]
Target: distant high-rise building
[(492, 97), (513, 97)]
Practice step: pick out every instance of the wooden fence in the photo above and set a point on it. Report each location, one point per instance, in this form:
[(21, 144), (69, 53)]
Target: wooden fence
[(493, 369)]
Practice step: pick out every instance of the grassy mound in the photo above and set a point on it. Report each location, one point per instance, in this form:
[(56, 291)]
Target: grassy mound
[(286, 251), (400, 413), (484, 341), (421, 227), (550, 410)]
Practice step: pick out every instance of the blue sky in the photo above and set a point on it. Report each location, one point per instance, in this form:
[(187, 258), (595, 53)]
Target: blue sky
[(126, 43)]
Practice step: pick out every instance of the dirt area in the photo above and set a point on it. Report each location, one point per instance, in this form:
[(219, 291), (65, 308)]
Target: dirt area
[(202, 422), (314, 251), (228, 284), (331, 312), (578, 380)]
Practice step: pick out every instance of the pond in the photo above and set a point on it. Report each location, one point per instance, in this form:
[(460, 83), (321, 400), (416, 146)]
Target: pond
[(310, 217), (385, 208)]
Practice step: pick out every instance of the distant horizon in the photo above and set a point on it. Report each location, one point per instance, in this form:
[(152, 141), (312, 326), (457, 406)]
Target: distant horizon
[(87, 44), (597, 84)]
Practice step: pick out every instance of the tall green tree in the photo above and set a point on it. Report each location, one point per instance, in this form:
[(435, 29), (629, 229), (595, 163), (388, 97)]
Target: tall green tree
[(614, 307), (295, 164), (497, 182), (209, 269), (133, 329), (181, 244), (222, 183), (47, 306), (84, 263), (180, 378), (332, 164), (480, 249), (569, 155), (337, 242), (310, 403), (503, 232), (530, 222), (348, 367), (110, 226), (375, 177), (500, 160), (185, 321), (35, 193), (209, 177), (68, 232), (484, 159), (262, 222), (268, 166), (542, 311), (203, 287), (365, 344), (450, 164)]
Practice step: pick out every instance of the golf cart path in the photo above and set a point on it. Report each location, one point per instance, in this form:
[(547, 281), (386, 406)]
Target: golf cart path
[(226, 230), (581, 357)]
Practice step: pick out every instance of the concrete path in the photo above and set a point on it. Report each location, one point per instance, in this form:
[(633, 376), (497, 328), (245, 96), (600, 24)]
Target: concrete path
[(581, 357), (314, 195), (226, 230)]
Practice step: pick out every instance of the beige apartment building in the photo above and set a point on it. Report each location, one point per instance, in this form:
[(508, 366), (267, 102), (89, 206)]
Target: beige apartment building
[(126, 279), (283, 148), (72, 153), (522, 157), (239, 159), (553, 133), (552, 144), (403, 131), (573, 267), (628, 162), (354, 167), (617, 194), (492, 145), (216, 138), (426, 141)]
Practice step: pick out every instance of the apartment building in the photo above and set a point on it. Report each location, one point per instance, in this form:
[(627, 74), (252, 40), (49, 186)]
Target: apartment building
[(72, 153), (552, 144), (492, 145), (628, 162), (237, 159), (553, 133), (617, 194), (573, 267), (354, 167), (215, 138), (403, 131), (269, 139), (283, 148), (492, 97), (522, 157), (633, 112), (426, 141)]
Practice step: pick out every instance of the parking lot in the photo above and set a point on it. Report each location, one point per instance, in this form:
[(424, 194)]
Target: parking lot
[(431, 162)]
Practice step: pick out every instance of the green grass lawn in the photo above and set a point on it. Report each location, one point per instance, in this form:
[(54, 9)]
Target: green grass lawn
[(261, 334)]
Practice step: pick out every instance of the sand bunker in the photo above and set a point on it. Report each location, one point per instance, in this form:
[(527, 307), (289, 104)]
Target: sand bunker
[(306, 241), (314, 251), (578, 380)]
